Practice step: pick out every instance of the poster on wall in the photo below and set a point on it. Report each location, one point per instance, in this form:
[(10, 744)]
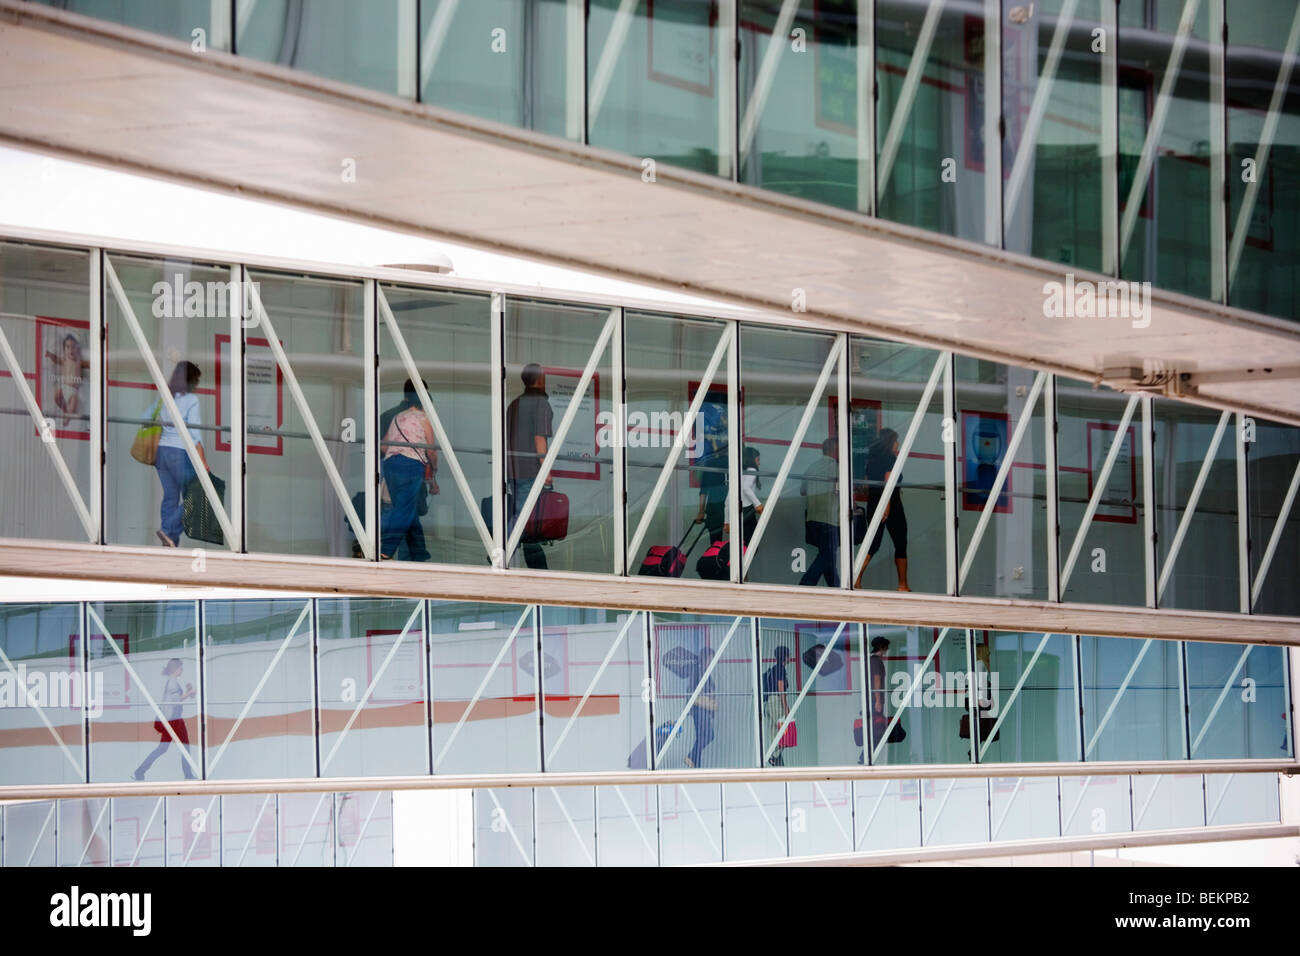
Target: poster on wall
[(579, 455), (984, 445), (679, 46), (835, 61), (263, 396), (709, 445), (396, 680), (1119, 498), (63, 375)]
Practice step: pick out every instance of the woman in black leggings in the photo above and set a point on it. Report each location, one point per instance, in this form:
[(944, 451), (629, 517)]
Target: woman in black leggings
[(882, 458)]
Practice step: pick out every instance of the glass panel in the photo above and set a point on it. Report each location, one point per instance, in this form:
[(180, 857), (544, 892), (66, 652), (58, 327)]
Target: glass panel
[(566, 828), (930, 133), (248, 829), (1203, 576), (926, 730), (653, 77), (1053, 196), (44, 702), (29, 831), (1039, 723), (306, 829), (258, 689), (825, 722), (83, 832), (1272, 463), (503, 827), (1132, 699), (1110, 567), (449, 338), (189, 20), (629, 825), (593, 673), (149, 670), (666, 364), (372, 701), (194, 830), (548, 347), (182, 309), (690, 823), (504, 60), (1264, 201), (1011, 557), (1241, 798), (365, 830), (820, 154), (887, 814), (484, 687), (779, 374), (370, 44), (1024, 808), (954, 811), (293, 506), (1166, 801), (1237, 705), (1095, 805), (887, 382), (718, 730), (138, 831), (754, 821), (821, 817), (1166, 215), (44, 321)]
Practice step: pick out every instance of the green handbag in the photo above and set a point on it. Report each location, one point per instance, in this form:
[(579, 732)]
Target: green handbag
[(145, 447)]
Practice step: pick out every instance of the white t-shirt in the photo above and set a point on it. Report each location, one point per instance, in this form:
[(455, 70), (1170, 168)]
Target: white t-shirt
[(188, 404), (748, 498)]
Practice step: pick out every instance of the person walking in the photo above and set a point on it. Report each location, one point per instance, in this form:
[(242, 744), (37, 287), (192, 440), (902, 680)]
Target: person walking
[(820, 487), (410, 461), (529, 427), (173, 707), (175, 470), (882, 459), (776, 684)]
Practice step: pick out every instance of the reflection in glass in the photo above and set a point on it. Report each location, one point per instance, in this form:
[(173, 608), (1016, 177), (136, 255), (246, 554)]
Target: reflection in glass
[(703, 692), (293, 503), (146, 655), (1237, 701), (46, 698), (45, 352), (1039, 722), (1132, 697), (1272, 464), (188, 20), (258, 696)]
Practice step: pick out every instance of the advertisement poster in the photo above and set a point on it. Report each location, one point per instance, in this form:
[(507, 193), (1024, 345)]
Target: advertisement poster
[(984, 444), (1119, 499), (680, 44), (63, 375), (579, 455), (263, 396)]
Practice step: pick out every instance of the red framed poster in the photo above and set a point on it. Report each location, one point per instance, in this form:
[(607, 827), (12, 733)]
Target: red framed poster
[(984, 437), (403, 681), (678, 51), (263, 395), (1119, 501), (562, 383), (62, 387)]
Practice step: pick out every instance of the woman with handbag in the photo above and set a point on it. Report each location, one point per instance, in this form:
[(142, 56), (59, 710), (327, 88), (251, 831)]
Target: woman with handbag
[(882, 459), (171, 460)]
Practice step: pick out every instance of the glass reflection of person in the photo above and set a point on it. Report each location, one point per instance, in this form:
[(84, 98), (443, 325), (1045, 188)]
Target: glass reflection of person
[(67, 397), (820, 487), (529, 426), (876, 684), (776, 684), (705, 707), (173, 707), (882, 459), (172, 463), (410, 460)]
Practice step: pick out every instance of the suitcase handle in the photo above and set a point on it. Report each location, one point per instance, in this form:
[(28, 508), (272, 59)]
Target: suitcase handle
[(687, 553)]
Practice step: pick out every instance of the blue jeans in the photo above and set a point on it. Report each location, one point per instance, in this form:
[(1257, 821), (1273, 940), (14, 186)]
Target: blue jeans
[(827, 562), (520, 488), (175, 472), (403, 476)]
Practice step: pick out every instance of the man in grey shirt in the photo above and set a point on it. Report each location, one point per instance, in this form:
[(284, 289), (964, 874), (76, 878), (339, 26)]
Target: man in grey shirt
[(529, 426)]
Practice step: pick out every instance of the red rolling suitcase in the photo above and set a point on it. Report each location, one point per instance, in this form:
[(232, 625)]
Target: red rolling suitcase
[(715, 562), (666, 561), (550, 518)]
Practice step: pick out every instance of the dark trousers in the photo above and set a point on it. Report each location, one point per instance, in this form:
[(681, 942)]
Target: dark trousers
[(827, 562), (895, 523), (703, 719), (402, 476)]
